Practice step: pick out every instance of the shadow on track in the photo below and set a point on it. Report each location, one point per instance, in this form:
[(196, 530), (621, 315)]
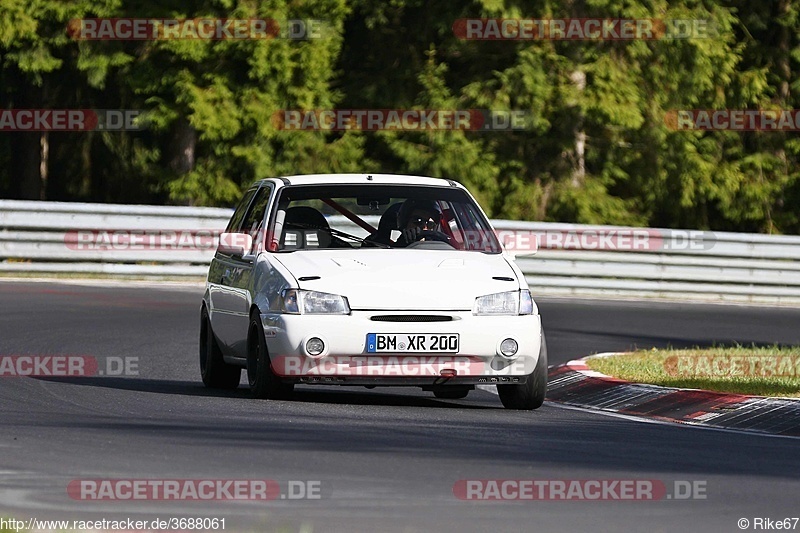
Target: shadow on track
[(306, 394), (365, 429)]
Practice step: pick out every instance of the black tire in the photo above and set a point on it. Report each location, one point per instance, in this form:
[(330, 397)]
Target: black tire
[(264, 383), (453, 392), (529, 395), (216, 373)]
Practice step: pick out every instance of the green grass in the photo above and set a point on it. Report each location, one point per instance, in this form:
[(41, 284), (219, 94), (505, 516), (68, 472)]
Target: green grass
[(759, 371)]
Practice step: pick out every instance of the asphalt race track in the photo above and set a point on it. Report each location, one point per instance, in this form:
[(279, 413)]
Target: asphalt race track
[(385, 459)]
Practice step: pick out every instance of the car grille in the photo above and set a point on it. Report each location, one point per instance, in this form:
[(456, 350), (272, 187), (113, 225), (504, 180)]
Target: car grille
[(411, 318)]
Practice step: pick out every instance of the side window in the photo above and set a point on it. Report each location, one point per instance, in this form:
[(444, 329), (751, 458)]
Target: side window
[(238, 215), (255, 215)]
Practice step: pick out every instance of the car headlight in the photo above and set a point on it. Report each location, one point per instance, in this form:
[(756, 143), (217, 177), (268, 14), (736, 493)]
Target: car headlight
[(504, 303), (299, 302)]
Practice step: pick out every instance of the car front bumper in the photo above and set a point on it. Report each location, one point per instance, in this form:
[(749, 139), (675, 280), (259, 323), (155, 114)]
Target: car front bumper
[(345, 359)]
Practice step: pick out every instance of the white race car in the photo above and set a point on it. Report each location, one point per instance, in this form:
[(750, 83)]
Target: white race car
[(373, 280)]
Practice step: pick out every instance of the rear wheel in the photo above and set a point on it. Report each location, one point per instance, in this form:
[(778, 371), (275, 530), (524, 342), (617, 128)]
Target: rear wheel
[(452, 392), (216, 373), (264, 383), (529, 395)]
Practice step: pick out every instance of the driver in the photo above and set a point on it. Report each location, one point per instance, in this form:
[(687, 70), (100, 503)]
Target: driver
[(420, 219)]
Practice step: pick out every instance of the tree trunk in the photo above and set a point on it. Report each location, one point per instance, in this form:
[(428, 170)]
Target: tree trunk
[(579, 165), (44, 162), (29, 149), (182, 147), (26, 161)]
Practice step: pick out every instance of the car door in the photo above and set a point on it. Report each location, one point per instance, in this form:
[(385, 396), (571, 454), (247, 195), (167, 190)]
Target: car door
[(221, 302), (235, 279)]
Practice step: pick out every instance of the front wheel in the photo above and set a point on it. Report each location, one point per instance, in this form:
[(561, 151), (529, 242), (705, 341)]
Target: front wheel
[(264, 383), (528, 395), (216, 373)]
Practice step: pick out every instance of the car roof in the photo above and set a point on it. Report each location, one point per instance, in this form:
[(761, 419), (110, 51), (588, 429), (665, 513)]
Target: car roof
[(365, 179)]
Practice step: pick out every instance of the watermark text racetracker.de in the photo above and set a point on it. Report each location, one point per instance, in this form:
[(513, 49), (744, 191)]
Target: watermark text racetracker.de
[(600, 239), (514, 240), (733, 119), (578, 490), (763, 366), (410, 365), (195, 489), (73, 120), (581, 29), (144, 239), (67, 366), (122, 524), (204, 29), (402, 120)]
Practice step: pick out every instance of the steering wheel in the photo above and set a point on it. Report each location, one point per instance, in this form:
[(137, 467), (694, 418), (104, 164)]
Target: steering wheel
[(433, 235), (430, 236)]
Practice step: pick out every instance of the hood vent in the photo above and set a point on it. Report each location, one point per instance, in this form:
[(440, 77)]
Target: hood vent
[(411, 318)]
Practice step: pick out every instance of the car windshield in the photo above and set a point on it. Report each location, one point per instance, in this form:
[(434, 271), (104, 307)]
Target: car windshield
[(350, 217)]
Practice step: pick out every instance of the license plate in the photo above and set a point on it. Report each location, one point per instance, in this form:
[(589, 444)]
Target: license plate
[(412, 342)]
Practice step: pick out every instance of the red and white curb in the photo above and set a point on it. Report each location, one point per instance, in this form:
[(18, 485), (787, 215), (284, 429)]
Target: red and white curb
[(575, 384)]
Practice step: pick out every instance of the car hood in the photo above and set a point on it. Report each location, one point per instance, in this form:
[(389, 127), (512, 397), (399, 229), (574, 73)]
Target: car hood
[(402, 279)]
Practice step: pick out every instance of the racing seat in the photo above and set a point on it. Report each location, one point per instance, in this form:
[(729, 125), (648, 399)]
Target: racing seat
[(386, 225), (305, 227)]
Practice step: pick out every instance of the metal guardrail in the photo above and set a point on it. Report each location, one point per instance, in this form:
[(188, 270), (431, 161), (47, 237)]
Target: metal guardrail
[(46, 238), (675, 264)]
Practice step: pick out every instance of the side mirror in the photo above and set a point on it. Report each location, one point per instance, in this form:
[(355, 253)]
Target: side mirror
[(235, 243), (518, 244)]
